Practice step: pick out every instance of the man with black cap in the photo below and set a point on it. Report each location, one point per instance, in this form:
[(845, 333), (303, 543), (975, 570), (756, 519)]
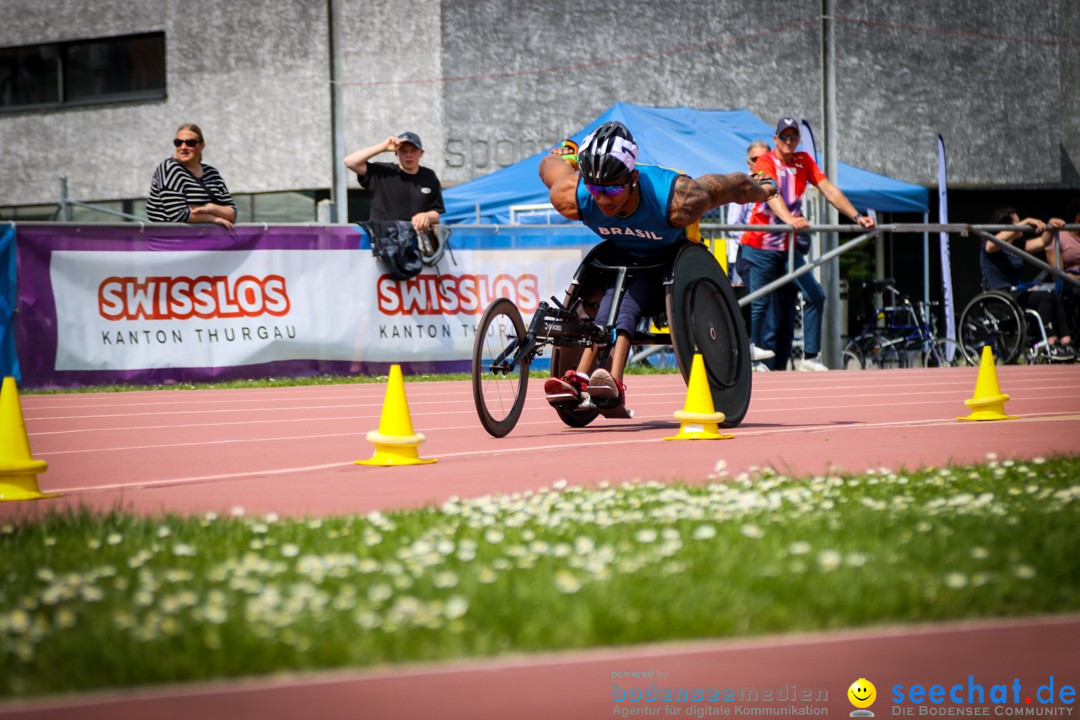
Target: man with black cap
[(403, 190), (772, 317)]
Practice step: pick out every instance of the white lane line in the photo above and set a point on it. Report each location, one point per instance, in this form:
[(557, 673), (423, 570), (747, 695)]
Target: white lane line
[(35, 403), (531, 406), (562, 446), (199, 479), (312, 403), (230, 401), (351, 406)]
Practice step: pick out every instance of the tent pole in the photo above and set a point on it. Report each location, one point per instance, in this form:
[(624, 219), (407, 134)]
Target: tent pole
[(339, 176)]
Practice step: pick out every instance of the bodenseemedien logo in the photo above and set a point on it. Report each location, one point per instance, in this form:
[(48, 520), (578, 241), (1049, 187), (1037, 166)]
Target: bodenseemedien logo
[(862, 695)]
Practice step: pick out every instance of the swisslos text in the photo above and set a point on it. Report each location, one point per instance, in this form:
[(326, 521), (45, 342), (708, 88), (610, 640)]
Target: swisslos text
[(179, 298), (455, 294)]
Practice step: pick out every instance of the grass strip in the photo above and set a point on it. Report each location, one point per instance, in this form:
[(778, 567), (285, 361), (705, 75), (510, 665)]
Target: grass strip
[(117, 600)]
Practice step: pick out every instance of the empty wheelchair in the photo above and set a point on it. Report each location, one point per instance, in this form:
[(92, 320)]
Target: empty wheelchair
[(995, 319)]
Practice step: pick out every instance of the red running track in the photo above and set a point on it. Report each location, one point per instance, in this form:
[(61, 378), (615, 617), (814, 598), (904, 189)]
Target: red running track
[(291, 451), (572, 686)]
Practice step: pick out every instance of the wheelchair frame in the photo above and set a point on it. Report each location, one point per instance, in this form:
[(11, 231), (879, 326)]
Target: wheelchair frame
[(904, 333), (995, 318), (702, 313)]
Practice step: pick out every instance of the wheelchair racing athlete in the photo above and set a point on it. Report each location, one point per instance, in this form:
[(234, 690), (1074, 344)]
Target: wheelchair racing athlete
[(645, 211)]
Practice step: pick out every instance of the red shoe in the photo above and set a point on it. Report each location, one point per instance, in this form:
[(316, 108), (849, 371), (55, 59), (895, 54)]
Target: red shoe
[(566, 390), (605, 390)]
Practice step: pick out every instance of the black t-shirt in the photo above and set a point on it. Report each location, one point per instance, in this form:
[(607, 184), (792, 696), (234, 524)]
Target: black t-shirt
[(399, 195)]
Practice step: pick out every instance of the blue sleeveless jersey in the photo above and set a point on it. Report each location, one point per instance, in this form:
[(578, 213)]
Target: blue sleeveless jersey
[(645, 231)]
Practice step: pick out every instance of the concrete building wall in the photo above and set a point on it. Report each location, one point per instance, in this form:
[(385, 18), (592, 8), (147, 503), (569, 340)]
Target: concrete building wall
[(252, 75), (392, 52), (488, 82)]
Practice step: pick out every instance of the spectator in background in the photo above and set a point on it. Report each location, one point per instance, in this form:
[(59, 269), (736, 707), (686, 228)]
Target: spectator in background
[(738, 270), (772, 318), (1002, 270), (1070, 254), (404, 190), (184, 189)]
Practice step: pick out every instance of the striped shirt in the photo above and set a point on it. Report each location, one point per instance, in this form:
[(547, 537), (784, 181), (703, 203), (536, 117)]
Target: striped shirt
[(174, 189), (791, 181)]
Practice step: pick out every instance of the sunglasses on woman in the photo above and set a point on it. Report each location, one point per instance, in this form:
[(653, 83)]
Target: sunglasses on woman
[(190, 142)]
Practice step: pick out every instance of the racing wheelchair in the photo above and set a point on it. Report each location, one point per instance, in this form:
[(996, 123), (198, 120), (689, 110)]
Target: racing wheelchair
[(996, 319), (702, 316)]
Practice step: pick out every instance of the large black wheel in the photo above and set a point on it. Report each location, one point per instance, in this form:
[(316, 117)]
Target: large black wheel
[(563, 359), (994, 319), (499, 396), (704, 317), (577, 418)]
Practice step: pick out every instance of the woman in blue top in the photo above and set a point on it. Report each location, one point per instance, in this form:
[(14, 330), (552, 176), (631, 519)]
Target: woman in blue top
[(1002, 271), (644, 210)]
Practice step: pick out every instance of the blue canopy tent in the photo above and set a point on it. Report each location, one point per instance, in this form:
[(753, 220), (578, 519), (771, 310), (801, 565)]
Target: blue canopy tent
[(694, 141)]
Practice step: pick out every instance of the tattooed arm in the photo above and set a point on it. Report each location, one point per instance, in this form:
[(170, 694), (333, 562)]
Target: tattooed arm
[(693, 197)]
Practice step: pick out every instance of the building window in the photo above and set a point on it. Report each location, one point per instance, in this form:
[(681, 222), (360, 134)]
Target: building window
[(79, 72)]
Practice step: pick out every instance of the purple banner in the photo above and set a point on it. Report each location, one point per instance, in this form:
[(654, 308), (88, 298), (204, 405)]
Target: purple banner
[(124, 254)]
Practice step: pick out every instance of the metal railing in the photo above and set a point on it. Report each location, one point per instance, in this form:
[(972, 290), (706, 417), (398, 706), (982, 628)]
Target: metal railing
[(66, 203), (831, 332)]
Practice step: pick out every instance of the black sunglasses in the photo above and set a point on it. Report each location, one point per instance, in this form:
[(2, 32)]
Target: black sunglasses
[(190, 142)]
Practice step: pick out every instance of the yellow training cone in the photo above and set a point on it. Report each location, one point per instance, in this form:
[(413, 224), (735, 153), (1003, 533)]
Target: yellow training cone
[(699, 419), (989, 401), (395, 442), (18, 469)]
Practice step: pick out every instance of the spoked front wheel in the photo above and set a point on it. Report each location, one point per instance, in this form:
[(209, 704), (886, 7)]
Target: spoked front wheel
[(992, 319), (499, 390)]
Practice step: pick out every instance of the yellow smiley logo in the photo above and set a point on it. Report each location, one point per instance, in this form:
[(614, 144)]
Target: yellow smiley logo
[(862, 693)]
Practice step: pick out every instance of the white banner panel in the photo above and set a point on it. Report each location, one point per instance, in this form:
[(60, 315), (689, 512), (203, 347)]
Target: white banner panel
[(139, 310)]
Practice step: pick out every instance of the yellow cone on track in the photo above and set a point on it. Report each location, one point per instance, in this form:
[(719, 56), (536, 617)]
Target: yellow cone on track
[(395, 441), (989, 401), (699, 419), (18, 468)]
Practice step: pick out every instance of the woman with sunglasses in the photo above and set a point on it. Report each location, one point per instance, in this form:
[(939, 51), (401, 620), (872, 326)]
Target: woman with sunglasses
[(186, 190), (645, 211)]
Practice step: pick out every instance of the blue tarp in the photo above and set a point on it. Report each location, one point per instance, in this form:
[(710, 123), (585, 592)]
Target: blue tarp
[(694, 141)]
